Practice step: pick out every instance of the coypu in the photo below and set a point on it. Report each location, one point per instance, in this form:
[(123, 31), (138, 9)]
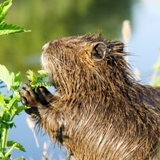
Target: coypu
[(100, 112)]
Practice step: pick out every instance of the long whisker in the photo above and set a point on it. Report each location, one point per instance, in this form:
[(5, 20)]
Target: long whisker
[(58, 61), (59, 66)]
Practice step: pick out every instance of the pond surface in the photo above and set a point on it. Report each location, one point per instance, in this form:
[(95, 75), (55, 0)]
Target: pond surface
[(57, 18)]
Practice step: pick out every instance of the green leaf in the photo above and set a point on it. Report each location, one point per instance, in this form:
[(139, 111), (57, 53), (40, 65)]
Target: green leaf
[(2, 102), (16, 144), (1, 156), (13, 108), (31, 76), (20, 109), (5, 158), (4, 8), (11, 80), (43, 73), (13, 101), (6, 29), (16, 81), (5, 76), (37, 81), (7, 123)]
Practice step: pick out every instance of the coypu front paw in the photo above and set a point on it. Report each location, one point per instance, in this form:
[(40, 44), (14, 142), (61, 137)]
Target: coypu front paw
[(35, 99)]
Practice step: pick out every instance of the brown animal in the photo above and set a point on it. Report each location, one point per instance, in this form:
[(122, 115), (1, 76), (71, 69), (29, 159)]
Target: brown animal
[(100, 112)]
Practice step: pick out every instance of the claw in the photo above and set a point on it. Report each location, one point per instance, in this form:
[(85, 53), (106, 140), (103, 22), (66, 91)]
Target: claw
[(30, 92), (35, 100), (24, 101)]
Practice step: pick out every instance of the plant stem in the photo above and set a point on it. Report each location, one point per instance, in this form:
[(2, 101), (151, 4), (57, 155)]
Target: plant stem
[(5, 134), (4, 138), (10, 150)]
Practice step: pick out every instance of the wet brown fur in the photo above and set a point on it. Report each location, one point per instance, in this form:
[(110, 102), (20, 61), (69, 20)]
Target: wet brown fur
[(100, 112)]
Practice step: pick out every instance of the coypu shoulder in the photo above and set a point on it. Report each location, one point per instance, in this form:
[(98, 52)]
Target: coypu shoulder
[(101, 112)]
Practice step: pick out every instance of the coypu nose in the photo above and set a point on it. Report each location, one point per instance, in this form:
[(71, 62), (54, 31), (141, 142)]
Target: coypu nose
[(45, 46)]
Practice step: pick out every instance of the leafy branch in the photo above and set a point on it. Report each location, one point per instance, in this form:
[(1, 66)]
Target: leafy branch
[(9, 109), (10, 105), (5, 28)]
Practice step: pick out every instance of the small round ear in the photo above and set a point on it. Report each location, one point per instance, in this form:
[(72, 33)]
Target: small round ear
[(99, 51)]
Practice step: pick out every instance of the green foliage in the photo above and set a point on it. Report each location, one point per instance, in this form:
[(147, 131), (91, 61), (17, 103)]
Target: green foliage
[(37, 81), (17, 145), (9, 109), (5, 28), (10, 106), (3, 9), (12, 81), (10, 102)]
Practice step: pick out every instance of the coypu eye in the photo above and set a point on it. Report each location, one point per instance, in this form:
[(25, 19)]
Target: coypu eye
[(99, 51)]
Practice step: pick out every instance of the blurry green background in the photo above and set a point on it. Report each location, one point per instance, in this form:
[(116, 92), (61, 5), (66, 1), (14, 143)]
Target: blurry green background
[(51, 19)]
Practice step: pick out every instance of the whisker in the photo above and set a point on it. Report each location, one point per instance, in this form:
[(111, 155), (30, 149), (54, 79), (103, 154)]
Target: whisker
[(60, 62)]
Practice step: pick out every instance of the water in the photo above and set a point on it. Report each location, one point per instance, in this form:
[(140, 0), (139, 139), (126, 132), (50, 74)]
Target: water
[(144, 44), (52, 19)]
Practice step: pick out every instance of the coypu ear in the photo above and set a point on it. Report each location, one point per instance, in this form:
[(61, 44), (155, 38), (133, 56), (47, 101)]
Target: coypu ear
[(99, 51)]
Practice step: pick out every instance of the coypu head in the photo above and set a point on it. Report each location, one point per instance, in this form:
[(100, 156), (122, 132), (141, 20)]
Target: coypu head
[(80, 62)]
